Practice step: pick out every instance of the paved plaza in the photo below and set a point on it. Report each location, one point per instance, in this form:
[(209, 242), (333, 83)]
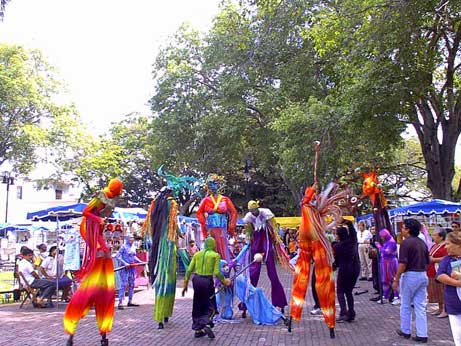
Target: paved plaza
[(375, 325)]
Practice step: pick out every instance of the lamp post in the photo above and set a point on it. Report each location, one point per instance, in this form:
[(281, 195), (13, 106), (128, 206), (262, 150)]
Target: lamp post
[(8, 179), (247, 176)]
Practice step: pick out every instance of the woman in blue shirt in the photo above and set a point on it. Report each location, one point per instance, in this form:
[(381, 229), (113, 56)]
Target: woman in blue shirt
[(449, 273)]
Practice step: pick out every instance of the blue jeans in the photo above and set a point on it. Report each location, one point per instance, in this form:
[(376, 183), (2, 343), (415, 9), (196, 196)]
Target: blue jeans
[(413, 287)]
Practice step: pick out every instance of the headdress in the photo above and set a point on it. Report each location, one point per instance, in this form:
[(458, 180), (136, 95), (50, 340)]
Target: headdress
[(114, 188), (253, 204), (218, 179), (179, 183)]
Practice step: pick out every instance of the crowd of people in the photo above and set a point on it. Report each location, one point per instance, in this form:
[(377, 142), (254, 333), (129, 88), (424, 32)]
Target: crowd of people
[(418, 269)]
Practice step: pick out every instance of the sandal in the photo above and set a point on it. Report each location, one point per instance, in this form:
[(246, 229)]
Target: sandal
[(443, 315)]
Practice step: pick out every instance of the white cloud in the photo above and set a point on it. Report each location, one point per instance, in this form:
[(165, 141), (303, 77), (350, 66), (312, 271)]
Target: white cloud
[(103, 49)]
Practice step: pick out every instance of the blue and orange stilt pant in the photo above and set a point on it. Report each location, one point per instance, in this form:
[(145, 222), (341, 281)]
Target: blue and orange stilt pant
[(97, 288)]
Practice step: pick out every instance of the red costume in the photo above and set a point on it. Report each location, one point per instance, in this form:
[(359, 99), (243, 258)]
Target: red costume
[(97, 271)]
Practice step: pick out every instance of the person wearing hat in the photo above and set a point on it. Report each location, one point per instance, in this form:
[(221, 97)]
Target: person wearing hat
[(262, 233)]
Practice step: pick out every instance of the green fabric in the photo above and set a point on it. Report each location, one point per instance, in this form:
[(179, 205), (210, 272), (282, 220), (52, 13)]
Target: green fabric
[(206, 261), (184, 257), (165, 281)]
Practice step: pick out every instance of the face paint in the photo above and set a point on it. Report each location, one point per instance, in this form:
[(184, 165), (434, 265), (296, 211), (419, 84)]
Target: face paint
[(213, 186)]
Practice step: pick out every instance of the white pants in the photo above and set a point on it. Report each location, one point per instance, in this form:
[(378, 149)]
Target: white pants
[(455, 324), (365, 261)]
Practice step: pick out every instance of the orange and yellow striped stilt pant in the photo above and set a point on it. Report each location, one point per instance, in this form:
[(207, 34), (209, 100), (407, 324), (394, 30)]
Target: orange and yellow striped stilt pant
[(98, 289)]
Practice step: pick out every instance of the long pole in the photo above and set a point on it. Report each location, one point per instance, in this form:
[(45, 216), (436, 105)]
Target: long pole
[(7, 198), (317, 149)]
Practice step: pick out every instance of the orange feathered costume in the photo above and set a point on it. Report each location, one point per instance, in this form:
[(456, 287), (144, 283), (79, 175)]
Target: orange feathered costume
[(97, 271), (313, 244)]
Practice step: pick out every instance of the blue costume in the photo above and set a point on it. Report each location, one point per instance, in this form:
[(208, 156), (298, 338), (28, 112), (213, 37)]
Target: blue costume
[(225, 296), (260, 308), (127, 256)]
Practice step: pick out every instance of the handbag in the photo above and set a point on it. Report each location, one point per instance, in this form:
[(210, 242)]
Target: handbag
[(372, 253)]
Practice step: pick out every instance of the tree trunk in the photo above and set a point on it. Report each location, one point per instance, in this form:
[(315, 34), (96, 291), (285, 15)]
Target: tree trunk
[(439, 157)]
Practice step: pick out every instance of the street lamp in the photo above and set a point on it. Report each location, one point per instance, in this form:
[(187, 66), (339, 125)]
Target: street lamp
[(8, 179), (247, 176)]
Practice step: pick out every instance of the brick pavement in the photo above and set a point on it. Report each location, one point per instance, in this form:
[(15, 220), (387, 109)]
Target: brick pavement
[(375, 325)]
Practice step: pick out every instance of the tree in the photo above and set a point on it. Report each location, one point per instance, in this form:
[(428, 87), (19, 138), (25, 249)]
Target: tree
[(3, 4), (32, 125), (397, 63)]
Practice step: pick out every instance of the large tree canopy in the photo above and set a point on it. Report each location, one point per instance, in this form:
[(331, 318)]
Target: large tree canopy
[(398, 63), (247, 100)]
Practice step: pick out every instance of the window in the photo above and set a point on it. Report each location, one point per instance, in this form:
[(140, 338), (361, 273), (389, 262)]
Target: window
[(58, 194), (19, 192)]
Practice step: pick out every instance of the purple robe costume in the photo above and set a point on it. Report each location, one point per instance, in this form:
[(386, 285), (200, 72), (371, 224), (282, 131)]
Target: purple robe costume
[(388, 262), (262, 242)]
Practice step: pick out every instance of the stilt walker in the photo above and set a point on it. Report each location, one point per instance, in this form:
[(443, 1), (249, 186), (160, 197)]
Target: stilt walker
[(313, 243), (162, 228), (161, 225), (97, 272)]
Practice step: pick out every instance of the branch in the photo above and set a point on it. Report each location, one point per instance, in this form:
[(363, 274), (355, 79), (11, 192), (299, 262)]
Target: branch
[(259, 118)]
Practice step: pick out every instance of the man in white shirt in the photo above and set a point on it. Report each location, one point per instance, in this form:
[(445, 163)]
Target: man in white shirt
[(363, 238), (33, 280)]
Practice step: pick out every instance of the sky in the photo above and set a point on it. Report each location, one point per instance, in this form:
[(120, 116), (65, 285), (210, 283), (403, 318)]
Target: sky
[(103, 50)]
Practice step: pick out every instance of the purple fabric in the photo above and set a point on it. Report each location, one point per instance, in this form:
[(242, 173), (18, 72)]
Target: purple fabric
[(259, 245), (388, 263), (427, 237)]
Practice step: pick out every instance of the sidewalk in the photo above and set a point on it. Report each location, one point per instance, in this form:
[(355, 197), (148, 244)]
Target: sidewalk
[(375, 325)]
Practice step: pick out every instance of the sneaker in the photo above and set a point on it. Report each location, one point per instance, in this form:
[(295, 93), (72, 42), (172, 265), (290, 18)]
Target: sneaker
[(396, 301), (209, 332), (132, 304), (422, 339), (315, 311), (341, 319), (120, 307), (199, 333), (382, 301)]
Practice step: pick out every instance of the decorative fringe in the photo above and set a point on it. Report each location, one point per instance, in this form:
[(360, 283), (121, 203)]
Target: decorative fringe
[(172, 221), (280, 254), (146, 228)]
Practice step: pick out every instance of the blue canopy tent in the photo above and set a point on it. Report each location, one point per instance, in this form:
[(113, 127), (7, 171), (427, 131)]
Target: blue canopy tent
[(58, 213), (7, 227), (434, 207)]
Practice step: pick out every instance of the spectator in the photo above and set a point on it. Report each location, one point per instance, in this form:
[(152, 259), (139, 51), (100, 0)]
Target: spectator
[(33, 280), (413, 262), (191, 249), (348, 264), (450, 275), (455, 226), (435, 289), (49, 271), (41, 256), (363, 238), (373, 254)]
